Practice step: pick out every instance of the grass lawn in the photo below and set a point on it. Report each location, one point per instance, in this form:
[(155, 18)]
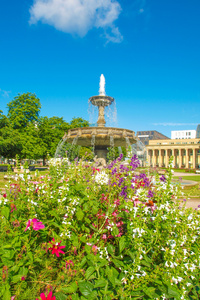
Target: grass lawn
[(193, 178)]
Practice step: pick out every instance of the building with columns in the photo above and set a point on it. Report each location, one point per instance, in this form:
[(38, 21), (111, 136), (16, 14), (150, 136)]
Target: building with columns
[(185, 152)]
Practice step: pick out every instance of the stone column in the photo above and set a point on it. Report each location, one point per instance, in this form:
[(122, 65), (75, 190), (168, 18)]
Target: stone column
[(194, 159), (186, 158), (149, 157), (166, 158), (153, 157), (173, 154), (180, 158), (160, 158)]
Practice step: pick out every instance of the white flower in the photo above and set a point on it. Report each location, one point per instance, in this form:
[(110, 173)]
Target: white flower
[(166, 264), (185, 251), (102, 178), (175, 280)]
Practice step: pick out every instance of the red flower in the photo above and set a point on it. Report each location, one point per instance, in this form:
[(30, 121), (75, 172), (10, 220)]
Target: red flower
[(49, 297), (56, 249)]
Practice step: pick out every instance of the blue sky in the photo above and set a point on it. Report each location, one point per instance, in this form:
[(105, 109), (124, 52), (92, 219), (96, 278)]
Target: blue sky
[(148, 51)]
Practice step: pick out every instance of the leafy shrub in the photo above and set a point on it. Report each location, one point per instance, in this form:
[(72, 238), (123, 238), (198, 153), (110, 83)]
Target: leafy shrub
[(86, 233)]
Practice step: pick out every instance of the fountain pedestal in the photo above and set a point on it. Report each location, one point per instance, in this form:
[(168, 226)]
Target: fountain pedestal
[(101, 152)]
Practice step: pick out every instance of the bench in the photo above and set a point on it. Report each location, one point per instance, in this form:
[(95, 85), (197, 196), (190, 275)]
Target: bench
[(197, 171)]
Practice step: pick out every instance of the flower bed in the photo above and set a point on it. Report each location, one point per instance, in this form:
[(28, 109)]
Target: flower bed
[(84, 233)]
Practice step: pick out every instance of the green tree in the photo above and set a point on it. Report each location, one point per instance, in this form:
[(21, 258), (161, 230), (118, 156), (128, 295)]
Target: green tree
[(78, 122), (10, 142), (3, 120), (32, 147), (23, 109), (50, 132)]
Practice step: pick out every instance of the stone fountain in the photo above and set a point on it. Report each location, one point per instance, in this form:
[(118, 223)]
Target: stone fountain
[(100, 137)]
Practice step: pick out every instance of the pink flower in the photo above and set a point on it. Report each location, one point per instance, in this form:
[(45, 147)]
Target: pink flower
[(114, 214), (68, 263), (94, 249), (23, 278), (56, 249), (49, 297), (13, 206), (36, 224), (104, 237), (117, 202), (13, 297)]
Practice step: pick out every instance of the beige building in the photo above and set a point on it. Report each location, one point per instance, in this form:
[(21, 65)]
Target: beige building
[(185, 152)]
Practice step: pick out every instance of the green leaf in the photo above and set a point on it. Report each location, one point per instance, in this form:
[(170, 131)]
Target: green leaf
[(83, 262), (89, 272), (95, 210), (16, 278), (172, 292), (102, 263), (5, 212), (8, 246), (23, 271), (70, 289), (93, 295), (7, 294), (79, 214), (150, 292), (9, 254), (75, 241), (60, 296), (75, 297), (122, 244), (101, 283), (118, 263), (83, 239), (85, 288), (111, 249)]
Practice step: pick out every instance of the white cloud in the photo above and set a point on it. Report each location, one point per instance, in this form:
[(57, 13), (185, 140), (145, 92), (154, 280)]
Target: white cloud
[(78, 16), (174, 124), (4, 94)]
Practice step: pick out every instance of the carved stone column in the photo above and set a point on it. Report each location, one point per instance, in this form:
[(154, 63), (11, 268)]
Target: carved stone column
[(194, 159), (180, 158), (160, 158), (150, 157), (154, 158), (173, 154), (187, 158), (166, 158)]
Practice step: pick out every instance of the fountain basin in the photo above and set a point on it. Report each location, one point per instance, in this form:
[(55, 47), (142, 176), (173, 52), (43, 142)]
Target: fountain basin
[(102, 136), (101, 100)]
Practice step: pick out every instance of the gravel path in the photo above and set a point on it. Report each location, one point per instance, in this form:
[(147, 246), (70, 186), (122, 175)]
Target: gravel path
[(193, 202)]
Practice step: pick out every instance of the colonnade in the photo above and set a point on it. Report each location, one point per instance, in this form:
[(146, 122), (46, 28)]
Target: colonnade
[(182, 157)]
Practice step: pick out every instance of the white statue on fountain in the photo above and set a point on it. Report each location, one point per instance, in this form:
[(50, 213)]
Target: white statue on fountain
[(102, 85)]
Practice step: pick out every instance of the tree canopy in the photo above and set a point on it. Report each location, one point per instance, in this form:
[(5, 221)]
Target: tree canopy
[(23, 109), (24, 133)]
